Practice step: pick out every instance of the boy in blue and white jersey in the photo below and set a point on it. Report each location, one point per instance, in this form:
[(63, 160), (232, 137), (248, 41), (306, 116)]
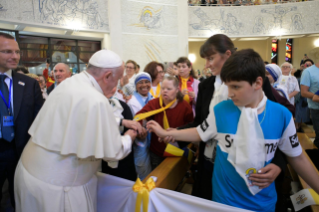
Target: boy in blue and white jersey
[(249, 128)]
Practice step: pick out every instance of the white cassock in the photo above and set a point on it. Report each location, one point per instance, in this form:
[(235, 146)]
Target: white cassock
[(73, 132)]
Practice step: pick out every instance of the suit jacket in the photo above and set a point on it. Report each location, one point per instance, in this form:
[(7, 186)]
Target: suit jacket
[(50, 89), (27, 101)]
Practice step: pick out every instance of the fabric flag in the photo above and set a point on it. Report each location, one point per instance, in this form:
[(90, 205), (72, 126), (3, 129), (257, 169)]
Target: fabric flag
[(116, 195), (304, 198), (173, 151)]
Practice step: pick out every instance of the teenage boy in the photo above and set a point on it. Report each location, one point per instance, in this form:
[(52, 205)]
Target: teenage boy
[(249, 128)]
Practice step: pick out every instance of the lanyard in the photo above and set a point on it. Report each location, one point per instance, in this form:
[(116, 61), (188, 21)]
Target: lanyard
[(9, 102)]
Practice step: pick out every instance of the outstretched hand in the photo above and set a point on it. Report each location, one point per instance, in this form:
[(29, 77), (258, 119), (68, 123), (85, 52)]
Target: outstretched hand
[(154, 127), (265, 176), (168, 139), (134, 125)]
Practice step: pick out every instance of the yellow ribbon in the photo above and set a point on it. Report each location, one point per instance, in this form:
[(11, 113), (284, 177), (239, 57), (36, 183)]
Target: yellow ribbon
[(142, 116), (158, 91), (143, 194), (50, 80), (184, 86)]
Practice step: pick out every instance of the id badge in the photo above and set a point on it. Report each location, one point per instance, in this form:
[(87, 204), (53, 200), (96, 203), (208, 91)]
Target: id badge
[(8, 121)]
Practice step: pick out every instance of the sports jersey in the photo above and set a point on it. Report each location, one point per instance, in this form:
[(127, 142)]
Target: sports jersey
[(279, 132)]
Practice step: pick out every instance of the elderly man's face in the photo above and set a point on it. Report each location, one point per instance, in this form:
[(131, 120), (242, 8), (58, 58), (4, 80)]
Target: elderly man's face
[(285, 68), (61, 72), (112, 80)]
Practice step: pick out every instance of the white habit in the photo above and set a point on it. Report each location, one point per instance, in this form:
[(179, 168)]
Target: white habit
[(73, 132)]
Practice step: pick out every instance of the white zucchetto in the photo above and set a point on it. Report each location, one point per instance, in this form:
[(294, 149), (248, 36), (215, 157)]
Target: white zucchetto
[(105, 59)]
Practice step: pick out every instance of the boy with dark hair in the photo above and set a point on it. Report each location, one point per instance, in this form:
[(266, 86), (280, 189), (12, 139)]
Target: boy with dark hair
[(249, 129)]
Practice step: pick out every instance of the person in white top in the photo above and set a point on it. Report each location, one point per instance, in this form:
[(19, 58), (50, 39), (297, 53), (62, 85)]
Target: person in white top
[(289, 81), (57, 169), (273, 72), (126, 84)]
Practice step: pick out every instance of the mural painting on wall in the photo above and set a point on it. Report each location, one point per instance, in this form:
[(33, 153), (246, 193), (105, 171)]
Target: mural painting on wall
[(2, 9), (150, 18), (227, 24), (268, 20), (153, 51), (74, 14), (150, 28)]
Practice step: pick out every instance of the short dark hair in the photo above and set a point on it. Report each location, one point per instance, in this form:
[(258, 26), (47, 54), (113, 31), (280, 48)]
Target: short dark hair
[(307, 60), (218, 43), (21, 68), (151, 68), (6, 35), (244, 65), (189, 64)]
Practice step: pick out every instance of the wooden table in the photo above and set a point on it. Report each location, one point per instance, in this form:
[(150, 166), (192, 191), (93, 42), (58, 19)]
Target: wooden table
[(170, 172), (306, 143)]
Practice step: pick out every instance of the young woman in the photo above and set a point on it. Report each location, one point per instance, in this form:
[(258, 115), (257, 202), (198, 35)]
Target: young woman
[(156, 71), (188, 84), (126, 84), (176, 112)]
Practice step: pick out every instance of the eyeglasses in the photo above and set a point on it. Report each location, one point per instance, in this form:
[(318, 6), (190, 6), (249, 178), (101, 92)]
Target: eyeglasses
[(128, 67), (308, 64), (285, 66), (161, 72), (10, 52)]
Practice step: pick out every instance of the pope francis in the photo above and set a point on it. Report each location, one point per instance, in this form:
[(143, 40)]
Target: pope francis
[(73, 132)]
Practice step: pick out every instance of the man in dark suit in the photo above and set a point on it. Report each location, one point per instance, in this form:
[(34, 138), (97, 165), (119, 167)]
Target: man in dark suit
[(20, 101)]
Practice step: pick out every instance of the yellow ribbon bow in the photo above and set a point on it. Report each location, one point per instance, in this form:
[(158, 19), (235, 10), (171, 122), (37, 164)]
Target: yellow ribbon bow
[(143, 193), (142, 116)]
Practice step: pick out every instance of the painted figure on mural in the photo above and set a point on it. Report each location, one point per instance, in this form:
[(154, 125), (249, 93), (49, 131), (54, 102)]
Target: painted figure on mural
[(279, 12), (259, 26), (296, 23)]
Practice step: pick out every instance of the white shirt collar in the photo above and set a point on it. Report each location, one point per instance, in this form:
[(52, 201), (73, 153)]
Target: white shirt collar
[(8, 73), (94, 82), (218, 79)]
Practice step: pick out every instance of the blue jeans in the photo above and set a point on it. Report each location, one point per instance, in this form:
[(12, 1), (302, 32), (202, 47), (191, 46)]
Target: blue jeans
[(315, 120)]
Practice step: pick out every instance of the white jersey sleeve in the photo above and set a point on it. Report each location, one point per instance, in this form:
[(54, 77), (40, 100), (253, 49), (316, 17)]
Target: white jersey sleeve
[(289, 143), (208, 130)]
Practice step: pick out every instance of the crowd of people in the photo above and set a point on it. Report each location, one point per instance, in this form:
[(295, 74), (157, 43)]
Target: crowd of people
[(59, 128)]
